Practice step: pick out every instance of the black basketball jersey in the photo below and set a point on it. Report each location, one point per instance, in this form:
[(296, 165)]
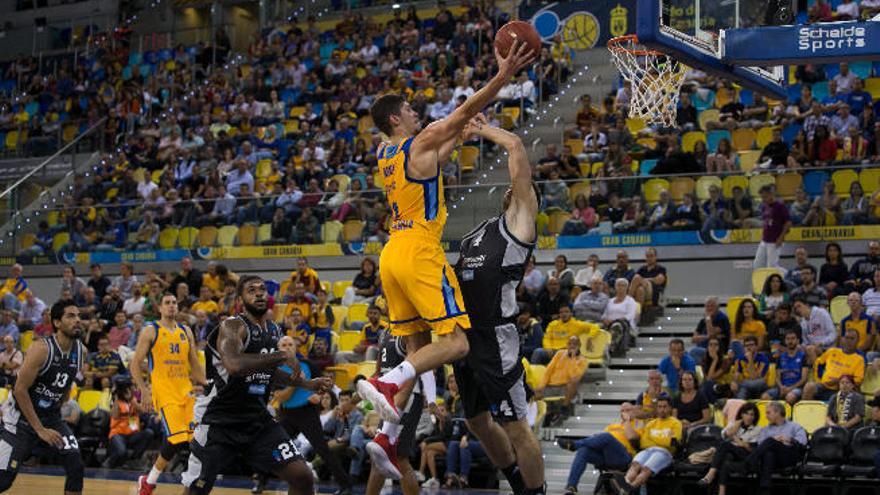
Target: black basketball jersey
[(53, 382), (392, 351), (238, 399), (491, 266)]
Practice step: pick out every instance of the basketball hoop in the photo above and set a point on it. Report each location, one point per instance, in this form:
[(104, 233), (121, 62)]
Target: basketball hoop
[(655, 77)]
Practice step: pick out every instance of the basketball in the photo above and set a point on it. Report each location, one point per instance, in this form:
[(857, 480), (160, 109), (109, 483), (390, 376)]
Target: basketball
[(517, 30)]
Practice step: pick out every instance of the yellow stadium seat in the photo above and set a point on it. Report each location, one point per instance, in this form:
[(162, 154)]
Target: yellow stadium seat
[(264, 168), (60, 240), (247, 235), (787, 184), (732, 181), (12, 140), (537, 373), (365, 124), (331, 231), (339, 287), (760, 275), (582, 187), (869, 178), (344, 181), (207, 236), (509, 117), (647, 142), (4, 394), (25, 340), (679, 186), (723, 96), (168, 238), (367, 368), (576, 145), (348, 340), (297, 111), (842, 180), (186, 237), (156, 175), (52, 218), (718, 417), (88, 400), (539, 417), (635, 125), (690, 139), (652, 189), (68, 133), (743, 139), (343, 374), (764, 137), (28, 240), (597, 166), (339, 313), (756, 182), (202, 358), (600, 343), (467, 158), (264, 233), (140, 174), (357, 313), (278, 310), (733, 305), (762, 409), (748, 160), (542, 222), (810, 414), (704, 183), (872, 85), (352, 230), (291, 126), (585, 168), (839, 309), (557, 221), (112, 193), (707, 116), (226, 235)]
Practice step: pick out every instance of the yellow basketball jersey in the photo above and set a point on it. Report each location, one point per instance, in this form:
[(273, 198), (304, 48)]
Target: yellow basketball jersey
[(417, 206), (169, 366)]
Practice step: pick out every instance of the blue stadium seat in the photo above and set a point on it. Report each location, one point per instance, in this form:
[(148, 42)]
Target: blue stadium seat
[(820, 90), (790, 132), (813, 182), (715, 137), (746, 96), (831, 70), (861, 68), (794, 92), (646, 166)]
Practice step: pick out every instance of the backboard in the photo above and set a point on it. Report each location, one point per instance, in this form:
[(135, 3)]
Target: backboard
[(691, 31)]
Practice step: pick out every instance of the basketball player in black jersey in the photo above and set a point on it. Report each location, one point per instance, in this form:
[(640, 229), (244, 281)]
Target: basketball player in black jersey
[(32, 416), (392, 352), (242, 357), (491, 379)]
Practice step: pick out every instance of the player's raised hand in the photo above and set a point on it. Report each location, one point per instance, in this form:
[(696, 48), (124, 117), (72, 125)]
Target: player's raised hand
[(473, 128), (519, 56)]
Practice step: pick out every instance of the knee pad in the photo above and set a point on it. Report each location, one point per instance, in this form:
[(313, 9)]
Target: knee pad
[(168, 450), (6, 480), (73, 470)]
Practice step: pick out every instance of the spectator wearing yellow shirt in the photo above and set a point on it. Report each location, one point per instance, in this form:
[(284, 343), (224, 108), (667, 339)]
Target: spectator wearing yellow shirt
[(298, 301), (837, 362), (206, 303), (564, 373), (14, 290), (306, 276), (321, 314), (646, 401), (211, 280), (859, 321), (557, 334), (747, 323), (659, 440)]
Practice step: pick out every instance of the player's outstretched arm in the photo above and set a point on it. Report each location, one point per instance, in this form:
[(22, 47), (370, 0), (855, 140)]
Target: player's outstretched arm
[(27, 374), (230, 344), (145, 341), (196, 371), (433, 136)]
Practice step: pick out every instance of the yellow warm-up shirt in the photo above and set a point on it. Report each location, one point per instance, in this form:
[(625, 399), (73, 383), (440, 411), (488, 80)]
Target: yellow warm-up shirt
[(838, 363), (660, 433), (557, 333)]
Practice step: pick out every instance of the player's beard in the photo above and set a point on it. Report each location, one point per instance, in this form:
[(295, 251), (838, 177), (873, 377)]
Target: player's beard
[(255, 311)]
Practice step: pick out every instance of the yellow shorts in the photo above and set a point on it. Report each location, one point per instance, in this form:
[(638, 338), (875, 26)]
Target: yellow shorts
[(421, 288), (177, 420)]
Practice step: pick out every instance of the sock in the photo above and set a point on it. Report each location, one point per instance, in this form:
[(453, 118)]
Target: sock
[(153, 477), (514, 478), (537, 491), (391, 430), (399, 375)]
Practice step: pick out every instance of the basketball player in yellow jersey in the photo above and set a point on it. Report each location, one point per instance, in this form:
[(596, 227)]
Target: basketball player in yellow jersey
[(421, 288), (174, 367)]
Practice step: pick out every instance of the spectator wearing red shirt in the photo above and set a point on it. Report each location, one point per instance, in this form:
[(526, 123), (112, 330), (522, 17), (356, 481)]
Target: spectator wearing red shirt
[(120, 332), (823, 149), (583, 217)]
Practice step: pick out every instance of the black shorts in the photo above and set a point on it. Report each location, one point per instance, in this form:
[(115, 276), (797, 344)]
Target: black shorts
[(16, 447), (406, 442), (266, 446), (492, 378)]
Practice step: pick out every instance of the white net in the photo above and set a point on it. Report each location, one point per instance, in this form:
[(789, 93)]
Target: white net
[(655, 80)]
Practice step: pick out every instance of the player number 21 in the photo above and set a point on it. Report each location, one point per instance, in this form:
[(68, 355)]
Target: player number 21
[(287, 450)]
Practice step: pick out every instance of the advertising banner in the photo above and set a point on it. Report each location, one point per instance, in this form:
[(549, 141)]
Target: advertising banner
[(584, 24), (792, 45)]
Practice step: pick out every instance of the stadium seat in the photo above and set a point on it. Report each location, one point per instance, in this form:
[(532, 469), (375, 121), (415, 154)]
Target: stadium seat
[(872, 85), (343, 374), (689, 140), (762, 409), (68, 133), (156, 175), (343, 181), (535, 375), (756, 182), (27, 240), (839, 309), (168, 238), (703, 99), (820, 90), (264, 168), (576, 145), (810, 414), (647, 142), (348, 340), (869, 178), (813, 182), (25, 340), (825, 452), (600, 343), (724, 96), (764, 136), (4, 394), (679, 186), (339, 313), (582, 187), (509, 117), (60, 240), (208, 236), (467, 159), (731, 181), (635, 125), (339, 287), (279, 310), (88, 400), (715, 137), (787, 184), (790, 132), (247, 235), (703, 185), (264, 233), (352, 230), (748, 160), (698, 439), (596, 168), (863, 447), (586, 169), (187, 236), (226, 235), (706, 116), (331, 231), (652, 189), (52, 217), (557, 221), (743, 139), (646, 167), (843, 179), (357, 313), (760, 275)]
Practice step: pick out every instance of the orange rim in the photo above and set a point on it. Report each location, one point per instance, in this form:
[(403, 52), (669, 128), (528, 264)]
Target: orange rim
[(617, 45)]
